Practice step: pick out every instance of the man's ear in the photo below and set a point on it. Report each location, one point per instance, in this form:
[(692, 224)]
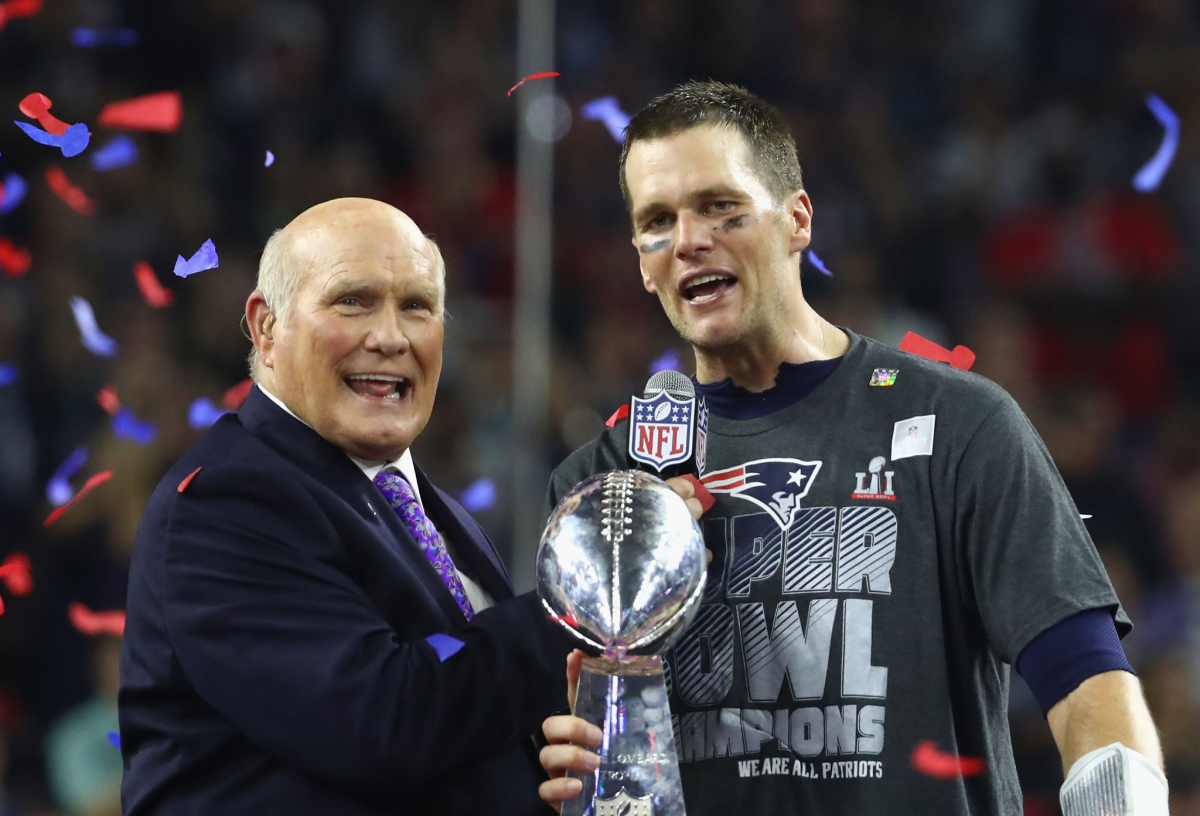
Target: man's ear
[(646, 282), (261, 321), (798, 211)]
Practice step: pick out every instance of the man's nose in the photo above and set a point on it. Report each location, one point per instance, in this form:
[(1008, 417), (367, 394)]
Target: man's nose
[(693, 235), (386, 333)]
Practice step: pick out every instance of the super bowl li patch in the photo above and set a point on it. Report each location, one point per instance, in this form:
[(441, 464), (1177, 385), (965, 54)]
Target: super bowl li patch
[(884, 376)]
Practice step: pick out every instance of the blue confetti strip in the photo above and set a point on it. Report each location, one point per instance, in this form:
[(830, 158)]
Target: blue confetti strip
[(58, 489), (479, 496), (669, 361), (205, 258), (1147, 179), (73, 142), (202, 414), (819, 264), (444, 645), (111, 37), (606, 109), (121, 151), (94, 340), (15, 189), (8, 374), (115, 739), (127, 426), (270, 159)]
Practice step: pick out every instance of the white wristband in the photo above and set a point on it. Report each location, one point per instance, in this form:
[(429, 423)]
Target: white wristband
[(1114, 780)]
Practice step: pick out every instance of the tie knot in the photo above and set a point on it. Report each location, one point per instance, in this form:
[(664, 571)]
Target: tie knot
[(395, 488)]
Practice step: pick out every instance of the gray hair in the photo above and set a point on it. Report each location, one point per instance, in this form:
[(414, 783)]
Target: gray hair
[(279, 279)]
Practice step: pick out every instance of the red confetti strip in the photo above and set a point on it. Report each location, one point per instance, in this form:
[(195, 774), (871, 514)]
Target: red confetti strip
[(74, 198), (15, 9), (98, 479), (542, 75), (567, 619), (160, 112), (235, 396), (962, 357), (932, 761), (618, 415), (15, 262), (37, 106), (706, 499), (96, 623), (153, 292), (187, 480), (15, 574), (108, 399)]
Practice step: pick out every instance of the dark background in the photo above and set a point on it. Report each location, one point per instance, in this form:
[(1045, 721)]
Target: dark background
[(969, 162)]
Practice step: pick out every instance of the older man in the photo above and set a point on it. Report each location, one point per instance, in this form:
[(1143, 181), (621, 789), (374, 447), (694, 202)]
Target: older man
[(313, 627)]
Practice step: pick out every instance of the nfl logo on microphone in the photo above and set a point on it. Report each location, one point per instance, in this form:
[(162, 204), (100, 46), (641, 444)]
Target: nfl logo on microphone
[(660, 433)]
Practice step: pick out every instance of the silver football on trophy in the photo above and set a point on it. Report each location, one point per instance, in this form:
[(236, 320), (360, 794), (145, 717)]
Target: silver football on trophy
[(621, 564)]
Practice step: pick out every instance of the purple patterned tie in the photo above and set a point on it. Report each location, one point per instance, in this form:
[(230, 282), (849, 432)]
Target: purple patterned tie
[(400, 496)]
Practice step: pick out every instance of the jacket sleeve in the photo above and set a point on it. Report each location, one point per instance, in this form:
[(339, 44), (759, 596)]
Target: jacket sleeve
[(283, 644)]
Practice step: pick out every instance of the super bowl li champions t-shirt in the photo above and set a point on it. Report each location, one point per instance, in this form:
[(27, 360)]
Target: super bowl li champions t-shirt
[(883, 549)]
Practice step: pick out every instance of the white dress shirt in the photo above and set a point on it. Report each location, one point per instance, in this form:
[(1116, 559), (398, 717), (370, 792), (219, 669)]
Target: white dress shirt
[(479, 597)]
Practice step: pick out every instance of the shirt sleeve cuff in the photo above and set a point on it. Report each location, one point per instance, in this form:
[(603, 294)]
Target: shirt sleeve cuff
[(1069, 652)]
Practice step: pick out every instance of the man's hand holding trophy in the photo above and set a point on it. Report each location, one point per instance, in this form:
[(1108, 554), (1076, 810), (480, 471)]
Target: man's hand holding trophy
[(622, 567)]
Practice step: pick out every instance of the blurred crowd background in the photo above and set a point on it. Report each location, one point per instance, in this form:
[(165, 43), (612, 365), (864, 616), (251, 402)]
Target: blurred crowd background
[(969, 162)]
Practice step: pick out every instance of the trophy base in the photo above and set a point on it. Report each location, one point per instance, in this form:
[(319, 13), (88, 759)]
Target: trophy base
[(639, 769)]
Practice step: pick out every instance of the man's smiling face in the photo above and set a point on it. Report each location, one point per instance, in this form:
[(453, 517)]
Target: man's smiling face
[(360, 352), (714, 246)]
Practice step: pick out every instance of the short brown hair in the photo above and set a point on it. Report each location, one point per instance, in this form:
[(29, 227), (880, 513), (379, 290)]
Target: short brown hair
[(719, 103)]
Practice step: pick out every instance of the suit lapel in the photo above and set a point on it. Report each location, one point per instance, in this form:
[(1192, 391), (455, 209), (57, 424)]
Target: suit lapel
[(415, 558), (328, 464), (467, 537)]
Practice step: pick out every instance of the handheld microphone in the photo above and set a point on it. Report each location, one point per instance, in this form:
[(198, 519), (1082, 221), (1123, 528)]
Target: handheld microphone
[(668, 427)]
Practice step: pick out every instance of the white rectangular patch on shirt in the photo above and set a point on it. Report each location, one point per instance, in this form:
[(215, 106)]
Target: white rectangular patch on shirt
[(913, 437)]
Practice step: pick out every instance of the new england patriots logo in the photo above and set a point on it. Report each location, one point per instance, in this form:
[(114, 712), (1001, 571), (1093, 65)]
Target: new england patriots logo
[(775, 485)]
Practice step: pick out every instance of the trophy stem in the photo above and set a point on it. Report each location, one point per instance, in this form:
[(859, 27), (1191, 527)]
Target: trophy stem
[(639, 769)]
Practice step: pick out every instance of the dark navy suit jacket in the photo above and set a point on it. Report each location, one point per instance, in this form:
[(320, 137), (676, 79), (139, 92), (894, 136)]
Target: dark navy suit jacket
[(275, 661)]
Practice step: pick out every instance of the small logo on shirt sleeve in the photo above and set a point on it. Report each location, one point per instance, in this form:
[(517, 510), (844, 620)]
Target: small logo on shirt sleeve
[(913, 437), (884, 376)]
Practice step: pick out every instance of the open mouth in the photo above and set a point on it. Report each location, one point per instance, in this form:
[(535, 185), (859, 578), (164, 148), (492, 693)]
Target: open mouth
[(379, 386), (705, 288)]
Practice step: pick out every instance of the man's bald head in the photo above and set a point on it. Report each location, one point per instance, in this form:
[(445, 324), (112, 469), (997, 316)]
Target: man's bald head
[(348, 325), (318, 237)]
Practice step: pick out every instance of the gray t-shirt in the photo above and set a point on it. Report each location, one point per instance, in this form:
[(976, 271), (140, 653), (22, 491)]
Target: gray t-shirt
[(881, 555)]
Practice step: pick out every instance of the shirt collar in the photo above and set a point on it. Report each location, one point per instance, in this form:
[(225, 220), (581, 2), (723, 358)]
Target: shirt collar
[(370, 469), (794, 382)]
